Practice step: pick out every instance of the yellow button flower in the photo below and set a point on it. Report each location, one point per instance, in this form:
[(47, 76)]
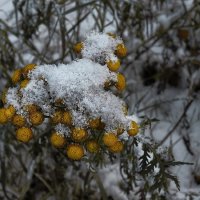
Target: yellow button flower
[(117, 147), (121, 82), (121, 50), (96, 124), (67, 118), (18, 120), (57, 117), (10, 112), (92, 146), (27, 69), (134, 129), (24, 83), (57, 140), (3, 117), (113, 65), (36, 118), (79, 134), (24, 134), (78, 47), (75, 151), (16, 76), (30, 108), (109, 139)]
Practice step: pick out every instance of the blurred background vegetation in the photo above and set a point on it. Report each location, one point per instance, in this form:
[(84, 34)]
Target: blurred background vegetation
[(163, 84)]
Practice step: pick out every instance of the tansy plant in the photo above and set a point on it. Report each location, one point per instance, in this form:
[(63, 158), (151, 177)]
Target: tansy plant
[(77, 101), (79, 108)]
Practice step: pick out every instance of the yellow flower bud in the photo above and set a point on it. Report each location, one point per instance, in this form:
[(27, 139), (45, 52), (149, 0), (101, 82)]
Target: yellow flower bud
[(117, 147), (109, 139), (57, 117), (57, 140), (78, 47), (79, 134), (10, 112), (134, 129), (16, 76), (121, 50), (67, 118), (24, 83), (75, 151), (96, 124), (27, 69), (92, 146), (3, 117), (30, 108), (18, 120), (121, 82), (113, 65), (36, 118), (24, 134)]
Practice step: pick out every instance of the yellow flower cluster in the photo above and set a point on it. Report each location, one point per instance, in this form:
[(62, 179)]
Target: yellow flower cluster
[(78, 141), (33, 117)]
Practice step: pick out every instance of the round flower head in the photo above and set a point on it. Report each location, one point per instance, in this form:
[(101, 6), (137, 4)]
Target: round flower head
[(57, 140), (27, 69), (113, 65), (24, 83), (3, 117), (121, 82), (57, 117), (79, 134), (67, 118), (92, 146), (96, 123), (16, 76), (10, 112), (18, 120), (75, 151), (31, 108), (134, 129), (36, 118), (78, 47), (109, 139), (117, 147), (24, 134), (121, 50)]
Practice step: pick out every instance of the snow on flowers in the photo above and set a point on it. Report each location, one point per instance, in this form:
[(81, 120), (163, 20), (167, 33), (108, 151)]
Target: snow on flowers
[(77, 101)]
